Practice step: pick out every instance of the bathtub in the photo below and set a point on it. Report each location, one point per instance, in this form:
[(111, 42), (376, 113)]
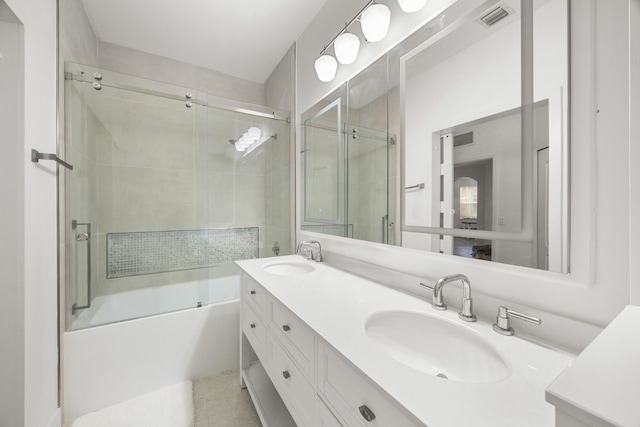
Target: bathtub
[(157, 300), (119, 360)]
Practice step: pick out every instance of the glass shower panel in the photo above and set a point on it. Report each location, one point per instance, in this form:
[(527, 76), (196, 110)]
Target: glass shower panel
[(131, 211), (81, 201), (246, 189)]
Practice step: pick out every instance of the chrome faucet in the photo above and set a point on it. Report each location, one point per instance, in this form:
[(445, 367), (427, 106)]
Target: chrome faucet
[(466, 311), (309, 252)]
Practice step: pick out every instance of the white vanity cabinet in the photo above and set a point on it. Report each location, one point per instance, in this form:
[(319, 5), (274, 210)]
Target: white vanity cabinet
[(315, 385), (313, 355), (353, 397), (276, 343)]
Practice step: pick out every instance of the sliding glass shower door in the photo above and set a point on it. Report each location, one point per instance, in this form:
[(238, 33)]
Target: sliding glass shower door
[(161, 198)]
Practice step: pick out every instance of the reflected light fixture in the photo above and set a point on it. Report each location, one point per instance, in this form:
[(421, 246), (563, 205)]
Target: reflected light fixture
[(410, 6), (346, 47), (251, 140), (374, 19), (248, 139), (375, 22)]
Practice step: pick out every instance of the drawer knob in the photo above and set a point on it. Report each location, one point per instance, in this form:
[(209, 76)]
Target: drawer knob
[(286, 328), (252, 292), (286, 374), (367, 413), (253, 325)]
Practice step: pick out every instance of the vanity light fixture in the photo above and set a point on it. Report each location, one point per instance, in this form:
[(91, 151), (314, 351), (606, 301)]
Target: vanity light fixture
[(410, 6), (375, 22), (346, 47), (374, 19), (326, 67)]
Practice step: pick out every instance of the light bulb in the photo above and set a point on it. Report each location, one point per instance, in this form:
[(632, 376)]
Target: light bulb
[(375, 22), (411, 6), (346, 47), (239, 146), (326, 67), (254, 132)]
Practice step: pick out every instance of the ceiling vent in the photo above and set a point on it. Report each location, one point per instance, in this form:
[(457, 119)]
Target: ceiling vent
[(463, 139), (494, 15)]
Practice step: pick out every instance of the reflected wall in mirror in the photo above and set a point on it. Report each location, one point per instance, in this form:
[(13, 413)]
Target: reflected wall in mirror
[(482, 175), (485, 114), (480, 112)]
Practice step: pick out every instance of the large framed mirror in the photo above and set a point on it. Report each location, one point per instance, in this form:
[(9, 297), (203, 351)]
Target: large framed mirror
[(473, 110)]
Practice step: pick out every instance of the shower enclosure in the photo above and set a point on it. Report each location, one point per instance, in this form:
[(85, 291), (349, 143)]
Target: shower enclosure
[(161, 198)]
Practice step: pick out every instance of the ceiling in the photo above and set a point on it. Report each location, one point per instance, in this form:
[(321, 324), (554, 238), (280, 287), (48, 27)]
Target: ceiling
[(243, 38)]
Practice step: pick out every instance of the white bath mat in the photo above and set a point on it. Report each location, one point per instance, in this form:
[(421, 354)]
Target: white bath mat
[(168, 407)]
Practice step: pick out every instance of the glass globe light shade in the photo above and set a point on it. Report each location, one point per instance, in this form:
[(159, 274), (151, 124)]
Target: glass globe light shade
[(254, 132), (326, 67), (239, 146), (347, 46), (247, 138), (411, 6), (375, 22)]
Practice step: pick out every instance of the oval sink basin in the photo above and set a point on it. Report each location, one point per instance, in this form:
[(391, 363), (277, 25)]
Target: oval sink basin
[(437, 347), (288, 268)]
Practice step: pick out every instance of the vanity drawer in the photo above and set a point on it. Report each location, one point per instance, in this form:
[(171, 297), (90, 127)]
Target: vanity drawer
[(351, 394), (254, 329), (254, 294), (296, 392), (296, 337)]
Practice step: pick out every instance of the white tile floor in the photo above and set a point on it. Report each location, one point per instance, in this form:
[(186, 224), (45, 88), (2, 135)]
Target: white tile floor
[(220, 402)]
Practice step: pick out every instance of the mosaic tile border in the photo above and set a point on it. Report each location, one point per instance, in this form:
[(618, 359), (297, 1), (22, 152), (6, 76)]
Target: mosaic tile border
[(137, 253)]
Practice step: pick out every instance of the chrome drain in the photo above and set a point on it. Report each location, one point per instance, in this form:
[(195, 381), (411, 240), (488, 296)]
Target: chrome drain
[(441, 375)]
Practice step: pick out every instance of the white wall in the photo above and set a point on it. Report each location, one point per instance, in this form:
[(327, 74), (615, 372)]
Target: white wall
[(39, 284), (634, 152), (598, 286), (12, 223)]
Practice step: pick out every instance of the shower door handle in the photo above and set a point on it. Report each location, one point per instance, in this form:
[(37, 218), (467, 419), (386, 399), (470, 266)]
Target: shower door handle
[(84, 238)]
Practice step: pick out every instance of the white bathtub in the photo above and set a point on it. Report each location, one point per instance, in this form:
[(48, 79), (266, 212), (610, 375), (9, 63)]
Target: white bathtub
[(157, 300), (107, 364)]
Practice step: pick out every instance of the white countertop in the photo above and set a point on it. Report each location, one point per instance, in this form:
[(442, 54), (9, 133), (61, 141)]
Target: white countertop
[(603, 384), (337, 304)]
